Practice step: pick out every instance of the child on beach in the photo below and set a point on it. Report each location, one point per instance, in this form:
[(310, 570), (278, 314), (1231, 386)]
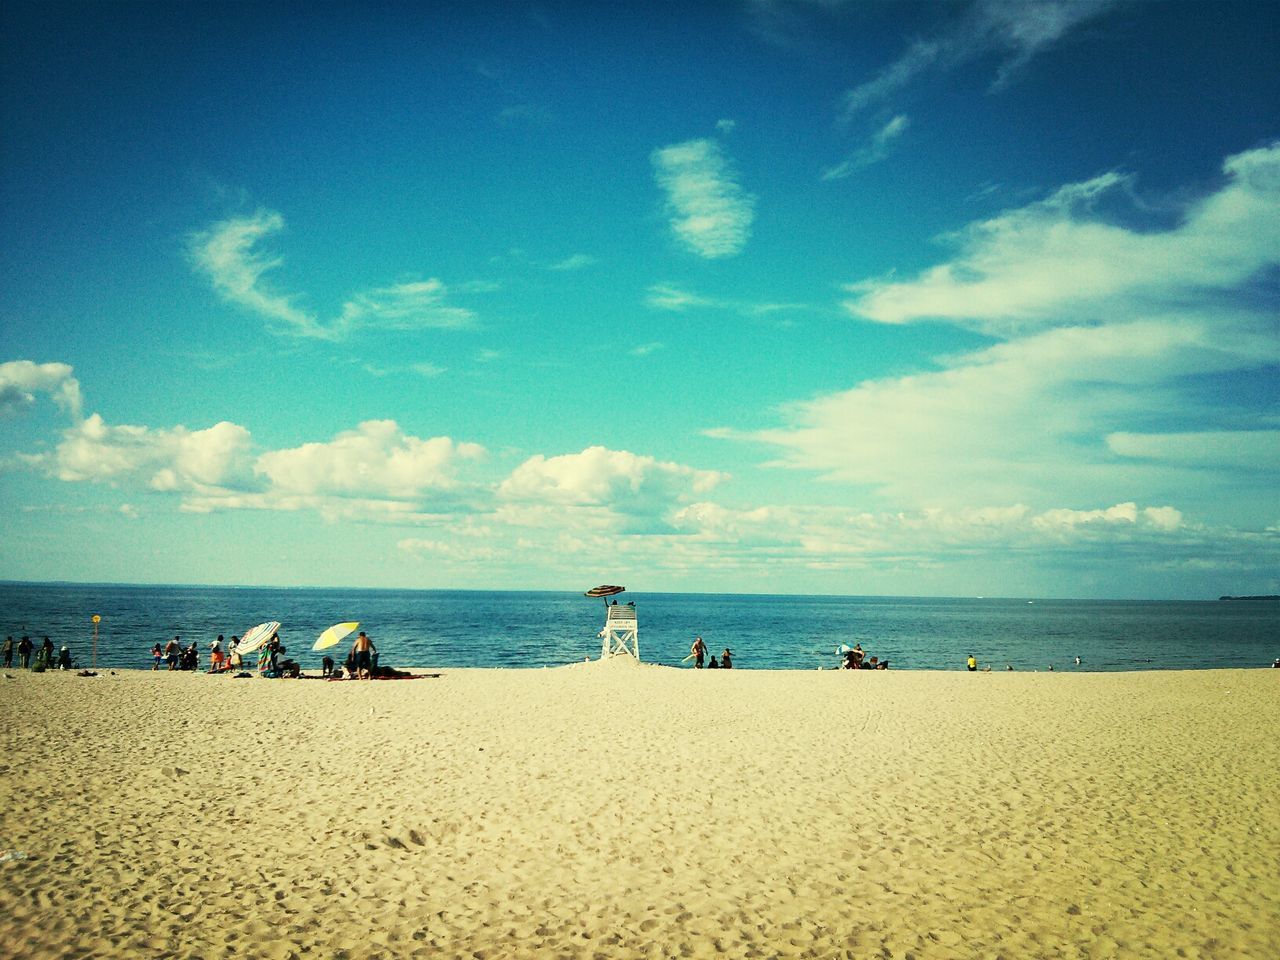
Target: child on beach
[(157, 654)]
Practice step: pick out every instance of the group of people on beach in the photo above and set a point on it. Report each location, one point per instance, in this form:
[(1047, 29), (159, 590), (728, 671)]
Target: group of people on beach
[(45, 659), (698, 654), (361, 662), (855, 658), (176, 655)]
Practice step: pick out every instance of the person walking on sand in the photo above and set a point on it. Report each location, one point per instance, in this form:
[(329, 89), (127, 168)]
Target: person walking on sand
[(25, 646), (8, 652), (699, 652), (171, 651), (362, 650)]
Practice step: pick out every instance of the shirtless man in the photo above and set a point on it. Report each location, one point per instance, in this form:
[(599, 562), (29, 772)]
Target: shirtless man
[(699, 651), (362, 649)]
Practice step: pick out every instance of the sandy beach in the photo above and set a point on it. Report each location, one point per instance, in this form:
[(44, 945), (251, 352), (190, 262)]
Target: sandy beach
[(615, 810)]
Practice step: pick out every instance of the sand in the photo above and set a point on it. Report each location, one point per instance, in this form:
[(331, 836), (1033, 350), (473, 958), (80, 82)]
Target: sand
[(634, 811)]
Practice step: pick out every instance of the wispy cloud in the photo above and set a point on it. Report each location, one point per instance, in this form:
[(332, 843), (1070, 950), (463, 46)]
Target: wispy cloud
[(1095, 390), (403, 306), (710, 213), (228, 254), (873, 151), (1018, 30), (665, 296), (577, 261), (1057, 261)]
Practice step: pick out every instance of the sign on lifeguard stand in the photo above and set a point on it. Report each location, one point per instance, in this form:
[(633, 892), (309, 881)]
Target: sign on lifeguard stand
[(621, 631)]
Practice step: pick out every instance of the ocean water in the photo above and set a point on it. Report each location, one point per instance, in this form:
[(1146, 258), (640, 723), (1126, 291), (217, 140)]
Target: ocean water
[(456, 628)]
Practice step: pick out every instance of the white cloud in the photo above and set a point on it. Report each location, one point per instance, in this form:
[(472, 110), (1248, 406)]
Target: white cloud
[(228, 254), (175, 459), (376, 459), (1016, 29), (21, 380), (1023, 421), (1054, 260), (875, 150), (599, 477), (1110, 384), (710, 214)]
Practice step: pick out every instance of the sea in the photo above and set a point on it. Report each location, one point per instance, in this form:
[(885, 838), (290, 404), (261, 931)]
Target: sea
[(516, 629)]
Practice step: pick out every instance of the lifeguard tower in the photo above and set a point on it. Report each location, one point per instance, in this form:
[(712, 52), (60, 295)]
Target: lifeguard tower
[(621, 629)]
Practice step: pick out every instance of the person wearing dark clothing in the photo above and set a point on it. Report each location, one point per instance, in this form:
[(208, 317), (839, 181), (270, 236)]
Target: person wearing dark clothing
[(64, 658), (45, 655), (24, 652), (725, 662)]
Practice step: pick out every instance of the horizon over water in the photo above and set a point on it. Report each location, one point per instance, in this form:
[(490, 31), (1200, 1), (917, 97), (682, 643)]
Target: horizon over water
[(485, 628)]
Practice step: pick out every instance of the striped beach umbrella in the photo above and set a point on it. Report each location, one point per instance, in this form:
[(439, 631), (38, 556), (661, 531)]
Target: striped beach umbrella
[(604, 591)]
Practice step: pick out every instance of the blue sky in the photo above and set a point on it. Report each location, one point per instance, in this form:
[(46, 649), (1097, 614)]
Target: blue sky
[(769, 296)]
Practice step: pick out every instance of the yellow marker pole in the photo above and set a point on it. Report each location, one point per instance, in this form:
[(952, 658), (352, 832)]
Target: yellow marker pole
[(96, 620)]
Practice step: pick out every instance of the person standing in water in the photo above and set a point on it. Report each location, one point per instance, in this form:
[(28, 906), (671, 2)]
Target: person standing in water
[(699, 651)]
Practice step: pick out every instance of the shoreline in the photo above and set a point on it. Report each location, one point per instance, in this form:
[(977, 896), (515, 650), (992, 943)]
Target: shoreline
[(620, 811)]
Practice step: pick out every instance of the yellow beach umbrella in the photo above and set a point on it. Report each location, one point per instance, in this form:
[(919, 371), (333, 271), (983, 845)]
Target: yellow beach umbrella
[(335, 633)]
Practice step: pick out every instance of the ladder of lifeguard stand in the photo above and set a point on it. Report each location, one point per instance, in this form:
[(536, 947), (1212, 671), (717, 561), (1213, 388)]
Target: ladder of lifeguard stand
[(621, 632)]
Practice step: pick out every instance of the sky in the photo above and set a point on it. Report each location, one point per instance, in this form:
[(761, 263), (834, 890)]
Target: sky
[(766, 296)]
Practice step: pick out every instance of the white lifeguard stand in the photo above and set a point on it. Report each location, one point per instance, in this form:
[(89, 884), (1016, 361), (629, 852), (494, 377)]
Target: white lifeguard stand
[(621, 633)]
